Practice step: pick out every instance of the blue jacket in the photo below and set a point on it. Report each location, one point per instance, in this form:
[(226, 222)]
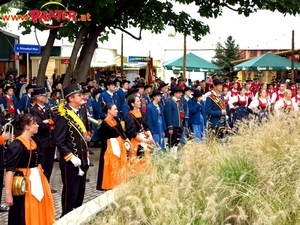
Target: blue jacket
[(171, 113), (213, 112), (195, 109), (152, 117), (15, 101), (121, 95), (107, 98), (24, 103), (184, 103), (125, 110)]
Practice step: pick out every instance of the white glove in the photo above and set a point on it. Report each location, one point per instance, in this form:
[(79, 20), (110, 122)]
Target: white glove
[(76, 161), (88, 161)]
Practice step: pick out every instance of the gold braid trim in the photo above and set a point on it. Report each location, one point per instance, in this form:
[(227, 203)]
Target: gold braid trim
[(75, 122)]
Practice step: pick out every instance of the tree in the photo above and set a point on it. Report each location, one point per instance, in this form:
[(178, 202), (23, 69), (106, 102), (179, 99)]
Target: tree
[(154, 15), (225, 54)]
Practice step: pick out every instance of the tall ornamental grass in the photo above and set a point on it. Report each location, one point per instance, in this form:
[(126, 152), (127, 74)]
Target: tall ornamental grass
[(250, 178)]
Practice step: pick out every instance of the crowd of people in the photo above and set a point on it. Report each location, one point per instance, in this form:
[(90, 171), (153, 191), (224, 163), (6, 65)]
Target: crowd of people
[(126, 120)]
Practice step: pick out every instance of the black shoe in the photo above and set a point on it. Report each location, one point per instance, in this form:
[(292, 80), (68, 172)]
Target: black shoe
[(3, 208), (87, 180), (56, 160), (91, 164), (53, 191), (91, 153)]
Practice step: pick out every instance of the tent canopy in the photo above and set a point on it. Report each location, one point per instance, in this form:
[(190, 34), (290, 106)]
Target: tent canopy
[(267, 62), (193, 63)]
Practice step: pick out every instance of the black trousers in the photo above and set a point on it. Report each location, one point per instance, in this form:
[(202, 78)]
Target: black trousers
[(1, 182), (73, 186), (173, 140), (47, 161)]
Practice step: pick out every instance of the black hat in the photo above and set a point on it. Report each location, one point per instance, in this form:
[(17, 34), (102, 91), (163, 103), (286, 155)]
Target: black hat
[(158, 78), (89, 88), (54, 92), (125, 81), (109, 82), (235, 77), (97, 91), (40, 91), (248, 80), (85, 90), (256, 78), (74, 88), (22, 76), (123, 76), (130, 92), (155, 92), (88, 79), (175, 90), (148, 86), (82, 84), (101, 81), (29, 86), (217, 81), (34, 78), (162, 84), (226, 78), (197, 94), (187, 89), (139, 85)]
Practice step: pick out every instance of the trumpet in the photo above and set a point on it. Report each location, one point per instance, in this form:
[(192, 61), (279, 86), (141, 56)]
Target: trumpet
[(8, 128), (94, 121)]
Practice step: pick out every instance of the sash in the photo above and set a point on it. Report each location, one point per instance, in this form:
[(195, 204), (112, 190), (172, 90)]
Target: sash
[(74, 121), (218, 100)]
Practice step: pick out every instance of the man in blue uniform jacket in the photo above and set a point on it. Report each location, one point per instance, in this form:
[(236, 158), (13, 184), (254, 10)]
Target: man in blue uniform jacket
[(216, 110), (174, 117), (123, 91), (110, 95)]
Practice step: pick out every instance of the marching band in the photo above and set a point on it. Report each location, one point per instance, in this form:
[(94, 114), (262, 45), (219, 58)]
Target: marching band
[(72, 118)]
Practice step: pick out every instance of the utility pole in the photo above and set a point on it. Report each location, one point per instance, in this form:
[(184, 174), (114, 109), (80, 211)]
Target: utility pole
[(184, 57), (292, 55), (121, 54)]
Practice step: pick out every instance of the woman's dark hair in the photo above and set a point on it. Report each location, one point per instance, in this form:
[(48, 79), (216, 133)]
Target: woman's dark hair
[(22, 120), (131, 99), (107, 107)]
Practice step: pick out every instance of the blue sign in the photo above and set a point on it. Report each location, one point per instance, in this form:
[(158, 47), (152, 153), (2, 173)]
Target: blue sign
[(22, 48), (138, 59)]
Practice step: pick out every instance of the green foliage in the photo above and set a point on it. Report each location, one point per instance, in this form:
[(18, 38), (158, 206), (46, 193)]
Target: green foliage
[(13, 71), (225, 54)]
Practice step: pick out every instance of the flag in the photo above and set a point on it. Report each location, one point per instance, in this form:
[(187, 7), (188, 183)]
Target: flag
[(150, 70)]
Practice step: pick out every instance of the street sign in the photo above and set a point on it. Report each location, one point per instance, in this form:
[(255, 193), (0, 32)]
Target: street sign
[(65, 61), (16, 57), (23, 48), (138, 59)]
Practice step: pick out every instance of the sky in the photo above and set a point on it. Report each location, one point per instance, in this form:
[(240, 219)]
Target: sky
[(261, 30)]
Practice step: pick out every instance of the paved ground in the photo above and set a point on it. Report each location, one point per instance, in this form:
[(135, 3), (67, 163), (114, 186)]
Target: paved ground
[(56, 184)]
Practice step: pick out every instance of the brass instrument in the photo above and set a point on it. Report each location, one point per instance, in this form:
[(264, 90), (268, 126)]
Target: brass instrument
[(95, 122), (6, 115), (8, 128)]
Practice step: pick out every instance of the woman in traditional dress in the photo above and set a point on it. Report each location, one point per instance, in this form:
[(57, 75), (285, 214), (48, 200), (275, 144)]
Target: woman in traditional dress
[(22, 157), (137, 131), (113, 157), (156, 119), (238, 104), (285, 105), (260, 106)]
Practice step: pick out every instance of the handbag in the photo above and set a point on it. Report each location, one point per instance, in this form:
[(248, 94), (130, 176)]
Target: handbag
[(19, 184)]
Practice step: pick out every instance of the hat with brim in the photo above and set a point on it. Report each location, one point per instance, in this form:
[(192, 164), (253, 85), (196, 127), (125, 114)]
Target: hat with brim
[(175, 90), (248, 80), (97, 91), (217, 82), (29, 86), (256, 78), (8, 85), (109, 82), (40, 91), (54, 92), (85, 90), (155, 93), (130, 92), (139, 85), (163, 84), (124, 82), (74, 88), (21, 76), (187, 89), (197, 94), (235, 77), (148, 86)]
